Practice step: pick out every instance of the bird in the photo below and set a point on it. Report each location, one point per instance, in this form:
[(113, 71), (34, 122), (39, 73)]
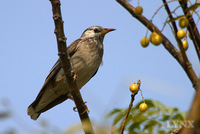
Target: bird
[(85, 57)]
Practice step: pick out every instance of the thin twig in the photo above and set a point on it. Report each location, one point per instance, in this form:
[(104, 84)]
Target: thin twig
[(127, 114), (129, 108), (186, 61), (69, 74), (160, 8)]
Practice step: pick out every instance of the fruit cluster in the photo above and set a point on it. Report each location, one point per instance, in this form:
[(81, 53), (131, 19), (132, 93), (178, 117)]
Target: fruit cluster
[(156, 39), (134, 89), (183, 22)]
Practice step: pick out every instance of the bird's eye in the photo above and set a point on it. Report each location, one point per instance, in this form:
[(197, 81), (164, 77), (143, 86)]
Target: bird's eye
[(96, 30)]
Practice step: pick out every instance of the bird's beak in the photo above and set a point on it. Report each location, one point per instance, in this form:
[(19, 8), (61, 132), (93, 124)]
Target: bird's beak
[(107, 30)]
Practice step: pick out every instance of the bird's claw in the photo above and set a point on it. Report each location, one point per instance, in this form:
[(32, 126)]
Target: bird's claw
[(74, 76), (86, 109), (74, 108)]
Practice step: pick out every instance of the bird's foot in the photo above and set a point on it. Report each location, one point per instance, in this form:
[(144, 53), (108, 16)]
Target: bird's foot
[(74, 108), (86, 109), (74, 76)]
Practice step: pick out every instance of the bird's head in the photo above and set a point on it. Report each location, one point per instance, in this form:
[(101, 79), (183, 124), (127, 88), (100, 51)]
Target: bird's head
[(96, 31)]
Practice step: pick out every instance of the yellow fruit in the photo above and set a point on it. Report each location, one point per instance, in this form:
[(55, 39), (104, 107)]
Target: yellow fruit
[(133, 88), (151, 35), (181, 33), (144, 42), (138, 10), (143, 107), (155, 38), (185, 44), (183, 22)]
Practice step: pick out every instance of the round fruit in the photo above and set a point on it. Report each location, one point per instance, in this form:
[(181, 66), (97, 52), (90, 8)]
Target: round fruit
[(144, 42), (155, 38), (151, 36), (138, 10), (185, 44), (133, 88), (143, 107), (183, 22), (181, 33)]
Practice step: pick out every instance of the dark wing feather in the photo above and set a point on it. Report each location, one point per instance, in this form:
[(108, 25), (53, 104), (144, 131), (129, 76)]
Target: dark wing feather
[(50, 79)]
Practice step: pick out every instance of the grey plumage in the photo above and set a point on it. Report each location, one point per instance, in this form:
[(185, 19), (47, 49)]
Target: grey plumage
[(86, 56)]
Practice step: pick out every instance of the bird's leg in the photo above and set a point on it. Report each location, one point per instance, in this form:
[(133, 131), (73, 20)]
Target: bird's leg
[(60, 78), (74, 108), (74, 75), (86, 109)]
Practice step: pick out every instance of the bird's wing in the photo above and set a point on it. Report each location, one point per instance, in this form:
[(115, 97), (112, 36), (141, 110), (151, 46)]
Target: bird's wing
[(71, 49), (57, 67), (49, 83)]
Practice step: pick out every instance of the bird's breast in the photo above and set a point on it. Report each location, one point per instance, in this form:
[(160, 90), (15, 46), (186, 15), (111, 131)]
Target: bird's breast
[(86, 61)]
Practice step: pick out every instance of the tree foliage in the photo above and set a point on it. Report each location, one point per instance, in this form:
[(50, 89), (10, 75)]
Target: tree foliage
[(158, 119)]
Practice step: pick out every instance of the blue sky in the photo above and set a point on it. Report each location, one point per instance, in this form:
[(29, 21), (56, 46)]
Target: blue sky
[(28, 50)]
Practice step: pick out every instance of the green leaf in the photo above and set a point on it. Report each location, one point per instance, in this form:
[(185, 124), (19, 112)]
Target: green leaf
[(129, 120), (113, 112), (177, 116), (119, 117), (174, 19), (171, 110), (165, 117), (159, 105), (137, 120), (152, 112), (161, 132), (152, 123), (134, 126), (193, 7), (184, 114), (139, 117)]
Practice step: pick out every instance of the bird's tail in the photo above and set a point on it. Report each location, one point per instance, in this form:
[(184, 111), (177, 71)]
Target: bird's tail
[(39, 105), (31, 111)]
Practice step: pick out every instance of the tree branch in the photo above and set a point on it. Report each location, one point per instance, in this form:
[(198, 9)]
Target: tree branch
[(193, 119), (192, 28), (175, 31), (69, 74), (186, 65), (127, 114)]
